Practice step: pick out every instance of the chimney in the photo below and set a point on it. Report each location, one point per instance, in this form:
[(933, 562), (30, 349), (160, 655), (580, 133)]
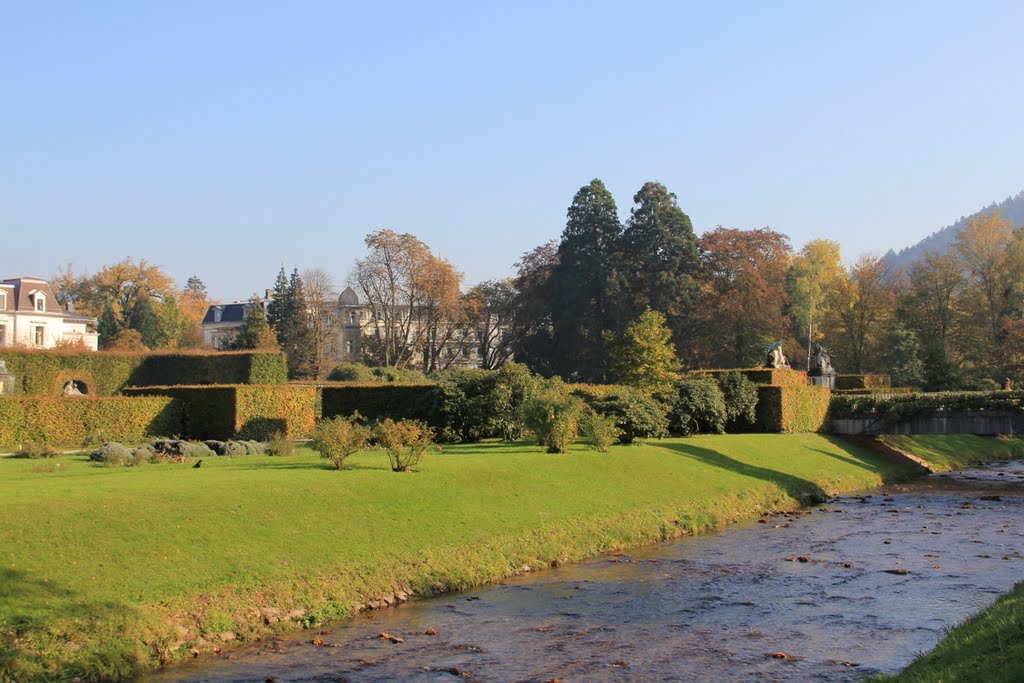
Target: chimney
[(268, 294)]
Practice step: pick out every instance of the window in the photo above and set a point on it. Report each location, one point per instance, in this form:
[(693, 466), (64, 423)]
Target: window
[(348, 347), (3, 335), (217, 312), (41, 302), (352, 317), (40, 335), (3, 301)]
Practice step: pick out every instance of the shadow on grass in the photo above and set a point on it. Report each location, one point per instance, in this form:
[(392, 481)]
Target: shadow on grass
[(798, 488)]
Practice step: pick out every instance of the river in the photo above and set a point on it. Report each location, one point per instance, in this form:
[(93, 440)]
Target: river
[(856, 586)]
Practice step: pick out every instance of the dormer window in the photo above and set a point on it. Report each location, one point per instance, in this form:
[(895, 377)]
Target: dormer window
[(217, 312), (40, 300)]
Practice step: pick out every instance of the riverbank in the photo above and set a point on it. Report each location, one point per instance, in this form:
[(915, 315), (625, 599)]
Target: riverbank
[(987, 647), (188, 560)]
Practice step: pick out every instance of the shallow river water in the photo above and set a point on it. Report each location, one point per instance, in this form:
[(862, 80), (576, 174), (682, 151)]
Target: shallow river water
[(853, 587)]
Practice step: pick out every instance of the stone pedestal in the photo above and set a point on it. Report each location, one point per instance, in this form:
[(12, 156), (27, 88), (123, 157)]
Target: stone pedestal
[(822, 379)]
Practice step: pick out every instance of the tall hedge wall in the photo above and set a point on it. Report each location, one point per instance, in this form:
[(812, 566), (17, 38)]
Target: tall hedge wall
[(43, 373), (377, 401), (792, 408), (245, 411), (71, 422), (863, 382), (771, 376)]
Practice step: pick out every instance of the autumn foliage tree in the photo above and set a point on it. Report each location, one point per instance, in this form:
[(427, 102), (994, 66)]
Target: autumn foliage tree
[(415, 297), (744, 299)]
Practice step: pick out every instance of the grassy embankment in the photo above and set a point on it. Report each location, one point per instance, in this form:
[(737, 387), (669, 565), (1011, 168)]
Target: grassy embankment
[(105, 572), (945, 452)]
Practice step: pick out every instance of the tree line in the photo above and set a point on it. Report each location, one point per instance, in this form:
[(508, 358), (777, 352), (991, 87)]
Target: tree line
[(951, 320)]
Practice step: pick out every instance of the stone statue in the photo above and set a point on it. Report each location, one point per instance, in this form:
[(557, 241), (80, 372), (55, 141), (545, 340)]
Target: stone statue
[(71, 389), (821, 361), (776, 359)]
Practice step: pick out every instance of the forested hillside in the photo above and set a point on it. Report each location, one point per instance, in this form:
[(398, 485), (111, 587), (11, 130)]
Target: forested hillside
[(1011, 208)]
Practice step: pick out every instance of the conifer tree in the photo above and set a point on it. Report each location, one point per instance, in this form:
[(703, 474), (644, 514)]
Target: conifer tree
[(580, 304), (659, 261)]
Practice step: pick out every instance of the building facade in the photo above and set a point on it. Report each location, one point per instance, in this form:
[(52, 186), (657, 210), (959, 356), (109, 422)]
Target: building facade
[(355, 327), (31, 317)]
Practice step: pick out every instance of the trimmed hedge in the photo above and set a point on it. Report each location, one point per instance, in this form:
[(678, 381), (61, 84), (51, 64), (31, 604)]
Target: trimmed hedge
[(72, 422), (895, 409), (44, 372), (244, 411), (789, 409), (377, 401), (863, 382), (779, 377)]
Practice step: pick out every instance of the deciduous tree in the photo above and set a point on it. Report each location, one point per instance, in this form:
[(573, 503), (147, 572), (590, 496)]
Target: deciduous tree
[(643, 355), (744, 301)]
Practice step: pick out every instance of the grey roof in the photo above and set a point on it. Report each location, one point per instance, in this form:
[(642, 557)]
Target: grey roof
[(230, 313)]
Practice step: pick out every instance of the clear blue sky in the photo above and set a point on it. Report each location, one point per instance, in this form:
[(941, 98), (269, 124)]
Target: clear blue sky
[(226, 139)]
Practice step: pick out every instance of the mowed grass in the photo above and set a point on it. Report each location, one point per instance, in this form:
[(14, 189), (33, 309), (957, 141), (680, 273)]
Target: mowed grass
[(104, 572), (987, 647), (947, 452)]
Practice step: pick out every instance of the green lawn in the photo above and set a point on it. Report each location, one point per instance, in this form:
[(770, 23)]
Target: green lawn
[(987, 647), (947, 452), (106, 571)]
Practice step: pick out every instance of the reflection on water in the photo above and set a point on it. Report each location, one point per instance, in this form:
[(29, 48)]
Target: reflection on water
[(856, 586)]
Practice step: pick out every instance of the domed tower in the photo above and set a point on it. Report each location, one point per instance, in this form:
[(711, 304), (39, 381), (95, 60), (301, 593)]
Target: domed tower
[(351, 316)]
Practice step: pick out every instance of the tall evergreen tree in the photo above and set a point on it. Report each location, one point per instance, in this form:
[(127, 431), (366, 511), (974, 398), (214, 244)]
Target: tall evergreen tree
[(142, 318), (277, 309), (107, 326), (659, 262), (580, 305), (295, 334)]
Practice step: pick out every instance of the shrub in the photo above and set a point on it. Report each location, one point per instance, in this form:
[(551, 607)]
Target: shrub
[(35, 450), (235, 448), (144, 453), (554, 417), (192, 449), (337, 438), (698, 407), (218, 447), (405, 441), (639, 414), (254, 448), (178, 450), (600, 430), (514, 385), (279, 444), (113, 454), (460, 405), (740, 395), (357, 372)]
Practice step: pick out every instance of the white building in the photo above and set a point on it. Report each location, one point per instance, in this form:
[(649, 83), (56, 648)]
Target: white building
[(31, 317)]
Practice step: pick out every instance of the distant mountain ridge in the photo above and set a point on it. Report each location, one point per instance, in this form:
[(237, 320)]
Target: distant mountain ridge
[(1012, 209)]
